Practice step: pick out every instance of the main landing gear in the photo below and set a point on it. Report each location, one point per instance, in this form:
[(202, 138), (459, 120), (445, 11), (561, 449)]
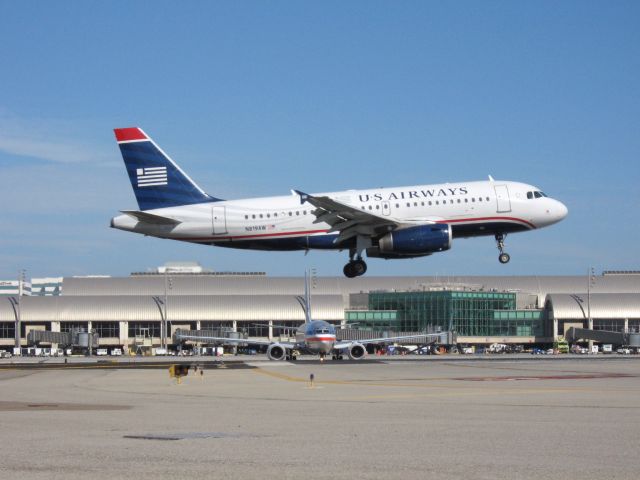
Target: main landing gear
[(503, 257), (356, 267)]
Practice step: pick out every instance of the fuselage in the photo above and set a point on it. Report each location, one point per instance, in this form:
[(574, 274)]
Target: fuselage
[(317, 336), (284, 223)]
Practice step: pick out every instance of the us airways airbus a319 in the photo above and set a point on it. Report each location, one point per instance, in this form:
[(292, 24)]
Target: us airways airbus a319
[(388, 223)]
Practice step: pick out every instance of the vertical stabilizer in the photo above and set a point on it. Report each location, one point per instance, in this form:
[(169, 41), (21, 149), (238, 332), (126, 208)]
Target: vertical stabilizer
[(157, 181)]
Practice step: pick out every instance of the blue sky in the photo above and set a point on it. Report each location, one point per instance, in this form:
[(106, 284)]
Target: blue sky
[(256, 98)]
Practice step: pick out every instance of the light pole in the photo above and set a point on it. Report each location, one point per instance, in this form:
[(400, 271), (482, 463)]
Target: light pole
[(21, 277), (310, 281), (168, 285), (591, 281)]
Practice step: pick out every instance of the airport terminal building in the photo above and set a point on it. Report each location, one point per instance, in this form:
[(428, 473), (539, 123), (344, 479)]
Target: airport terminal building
[(480, 309)]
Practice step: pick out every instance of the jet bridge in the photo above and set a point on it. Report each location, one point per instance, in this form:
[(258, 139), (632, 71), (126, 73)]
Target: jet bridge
[(437, 338), (603, 336), (201, 336), (73, 338)]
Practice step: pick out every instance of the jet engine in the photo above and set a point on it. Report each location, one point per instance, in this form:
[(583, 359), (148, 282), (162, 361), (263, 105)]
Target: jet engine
[(357, 351), (413, 242), (276, 352)]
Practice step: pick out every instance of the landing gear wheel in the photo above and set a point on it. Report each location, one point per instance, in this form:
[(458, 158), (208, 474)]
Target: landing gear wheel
[(503, 257), (355, 268), (360, 267), (349, 271)]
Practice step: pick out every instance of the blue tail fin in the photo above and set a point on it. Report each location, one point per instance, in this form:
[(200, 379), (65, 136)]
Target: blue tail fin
[(156, 180)]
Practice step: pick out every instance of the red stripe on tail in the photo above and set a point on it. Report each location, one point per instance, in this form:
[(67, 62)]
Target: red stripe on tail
[(128, 134)]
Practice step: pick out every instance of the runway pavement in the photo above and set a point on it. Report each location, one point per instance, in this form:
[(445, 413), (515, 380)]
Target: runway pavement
[(508, 419)]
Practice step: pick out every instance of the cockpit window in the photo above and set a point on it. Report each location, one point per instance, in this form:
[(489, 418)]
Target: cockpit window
[(530, 195), (537, 194), (543, 194)]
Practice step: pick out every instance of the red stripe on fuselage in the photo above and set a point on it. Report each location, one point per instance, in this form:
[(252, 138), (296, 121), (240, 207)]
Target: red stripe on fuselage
[(483, 219), (258, 235), (325, 338), (311, 232)]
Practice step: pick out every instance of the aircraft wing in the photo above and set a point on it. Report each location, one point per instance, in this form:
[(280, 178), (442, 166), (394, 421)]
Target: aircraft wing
[(345, 219), (230, 341), (343, 344)]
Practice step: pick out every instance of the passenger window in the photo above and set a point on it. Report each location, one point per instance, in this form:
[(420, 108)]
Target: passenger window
[(246, 217), (487, 199), (397, 205), (298, 212), (459, 200), (479, 199), (260, 215), (290, 214), (408, 204), (437, 202), (377, 207), (429, 202), (304, 212), (466, 200), (253, 216), (370, 207), (422, 204), (473, 199), (268, 215), (451, 201)]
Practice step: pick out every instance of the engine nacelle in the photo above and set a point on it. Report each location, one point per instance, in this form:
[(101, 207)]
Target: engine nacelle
[(357, 351), (415, 241), (276, 352)]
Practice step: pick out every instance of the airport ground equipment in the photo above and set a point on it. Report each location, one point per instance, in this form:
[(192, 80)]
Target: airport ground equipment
[(561, 345), (178, 371), (604, 336), (75, 338)]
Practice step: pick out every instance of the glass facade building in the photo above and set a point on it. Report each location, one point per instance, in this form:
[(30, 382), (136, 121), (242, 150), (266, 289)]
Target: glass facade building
[(473, 314)]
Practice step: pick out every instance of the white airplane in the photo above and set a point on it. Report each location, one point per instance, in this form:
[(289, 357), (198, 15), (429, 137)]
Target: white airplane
[(389, 223), (315, 337)]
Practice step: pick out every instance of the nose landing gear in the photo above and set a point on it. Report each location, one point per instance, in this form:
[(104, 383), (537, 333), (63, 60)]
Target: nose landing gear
[(503, 257)]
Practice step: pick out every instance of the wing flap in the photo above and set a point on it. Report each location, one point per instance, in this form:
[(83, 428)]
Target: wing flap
[(345, 219)]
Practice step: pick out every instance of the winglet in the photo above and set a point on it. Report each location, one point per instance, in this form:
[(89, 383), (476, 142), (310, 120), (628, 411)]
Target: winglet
[(303, 196)]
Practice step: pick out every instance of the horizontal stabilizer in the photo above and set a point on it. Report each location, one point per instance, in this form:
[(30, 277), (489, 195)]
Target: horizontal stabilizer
[(146, 217)]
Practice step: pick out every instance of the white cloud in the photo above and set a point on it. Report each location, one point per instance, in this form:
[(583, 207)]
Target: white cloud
[(49, 140), (42, 149)]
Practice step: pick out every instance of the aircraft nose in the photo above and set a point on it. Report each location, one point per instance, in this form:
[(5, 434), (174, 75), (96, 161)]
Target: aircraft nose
[(557, 211), (561, 210)]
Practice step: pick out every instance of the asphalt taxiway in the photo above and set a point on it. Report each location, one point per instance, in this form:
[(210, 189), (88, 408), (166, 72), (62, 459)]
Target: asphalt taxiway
[(386, 419)]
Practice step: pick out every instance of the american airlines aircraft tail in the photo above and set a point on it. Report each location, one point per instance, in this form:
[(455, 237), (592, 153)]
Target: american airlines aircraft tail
[(388, 223)]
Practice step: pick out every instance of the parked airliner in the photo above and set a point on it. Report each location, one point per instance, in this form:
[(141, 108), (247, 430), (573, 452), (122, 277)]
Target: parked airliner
[(315, 337), (389, 223)]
